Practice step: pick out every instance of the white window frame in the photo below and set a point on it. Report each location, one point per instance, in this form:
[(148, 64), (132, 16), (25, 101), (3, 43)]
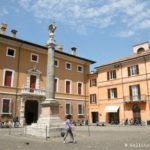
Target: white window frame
[(93, 98), (35, 55), (57, 88), (70, 86), (78, 68), (82, 108), (12, 77), (81, 88), (111, 74), (133, 70), (66, 108), (10, 103), (66, 66), (11, 49), (57, 63)]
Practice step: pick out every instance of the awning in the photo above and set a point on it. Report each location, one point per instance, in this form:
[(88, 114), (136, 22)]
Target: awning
[(111, 109)]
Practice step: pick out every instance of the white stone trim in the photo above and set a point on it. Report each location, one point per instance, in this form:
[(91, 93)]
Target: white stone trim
[(12, 49), (81, 88), (10, 103), (57, 86), (81, 103), (57, 63), (81, 67), (35, 55), (70, 86), (12, 77), (66, 66), (70, 108)]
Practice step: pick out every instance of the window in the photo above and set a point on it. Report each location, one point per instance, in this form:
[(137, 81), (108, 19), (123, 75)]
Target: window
[(6, 106), (56, 85), (34, 58), (68, 87), (68, 108), (80, 109), (112, 93), (8, 78), (111, 75), (133, 70), (56, 63), (68, 66), (135, 92), (10, 52), (79, 68), (93, 82), (93, 99), (80, 88)]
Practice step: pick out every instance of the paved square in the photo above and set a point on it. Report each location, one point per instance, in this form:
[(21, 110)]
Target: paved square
[(101, 138)]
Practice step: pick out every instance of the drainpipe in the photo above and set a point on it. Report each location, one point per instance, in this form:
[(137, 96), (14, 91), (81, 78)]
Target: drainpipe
[(17, 82), (122, 90), (147, 84)]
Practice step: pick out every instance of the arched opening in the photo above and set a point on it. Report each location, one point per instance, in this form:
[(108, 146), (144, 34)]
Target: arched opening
[(140, 50), (136, 113), (31, 111)]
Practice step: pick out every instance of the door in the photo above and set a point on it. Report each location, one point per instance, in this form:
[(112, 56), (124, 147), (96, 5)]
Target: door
[(136, 113), (31, 111), (94, 117), (32, 83)]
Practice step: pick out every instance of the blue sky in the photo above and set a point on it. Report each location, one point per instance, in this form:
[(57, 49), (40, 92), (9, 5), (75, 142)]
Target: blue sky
[(102, 30)]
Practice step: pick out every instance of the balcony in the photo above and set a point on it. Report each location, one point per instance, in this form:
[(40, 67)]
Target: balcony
[(30, 91), (138, 98)]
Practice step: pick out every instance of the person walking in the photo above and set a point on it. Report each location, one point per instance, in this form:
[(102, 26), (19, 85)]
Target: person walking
[(69, 129)]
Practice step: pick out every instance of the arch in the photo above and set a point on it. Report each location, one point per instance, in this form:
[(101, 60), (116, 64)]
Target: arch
[(140, 50)]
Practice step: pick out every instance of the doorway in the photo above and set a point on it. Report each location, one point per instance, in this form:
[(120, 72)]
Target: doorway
[(31, 112), (94, 117), (136, 114)]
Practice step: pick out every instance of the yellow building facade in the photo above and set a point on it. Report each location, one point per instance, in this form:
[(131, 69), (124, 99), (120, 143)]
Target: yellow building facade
[(23, 80), (122, 89)]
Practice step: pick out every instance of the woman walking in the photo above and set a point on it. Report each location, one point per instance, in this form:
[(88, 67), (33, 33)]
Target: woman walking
[(69, 129)]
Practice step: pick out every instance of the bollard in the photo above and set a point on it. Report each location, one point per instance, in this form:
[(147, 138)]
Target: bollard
[(46, 133)]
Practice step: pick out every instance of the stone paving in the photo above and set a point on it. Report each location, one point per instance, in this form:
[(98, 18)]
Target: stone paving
[(99, 138)]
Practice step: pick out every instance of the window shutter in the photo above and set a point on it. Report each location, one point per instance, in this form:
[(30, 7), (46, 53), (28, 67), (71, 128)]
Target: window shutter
[(108, 93), (137, 69), (130, 91), (107, 75), (115, 90), (114, 74), (79, 88), (129, 74), (139, 91), (8, 76), (67, 87)]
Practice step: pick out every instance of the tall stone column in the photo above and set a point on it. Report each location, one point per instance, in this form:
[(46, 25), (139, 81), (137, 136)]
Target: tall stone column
[(50, 109), (50, 66)]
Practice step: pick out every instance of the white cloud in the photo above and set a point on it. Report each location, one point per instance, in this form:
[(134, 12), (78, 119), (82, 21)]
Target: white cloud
[(130, 15), (3, 12), (126, 34)]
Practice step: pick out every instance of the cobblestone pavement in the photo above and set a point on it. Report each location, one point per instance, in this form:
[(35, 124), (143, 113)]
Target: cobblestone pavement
[(99, 138)]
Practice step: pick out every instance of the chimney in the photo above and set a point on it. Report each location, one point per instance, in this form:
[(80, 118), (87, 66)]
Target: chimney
[(60, 47), (13, 33), (73, 52), (3, 28)]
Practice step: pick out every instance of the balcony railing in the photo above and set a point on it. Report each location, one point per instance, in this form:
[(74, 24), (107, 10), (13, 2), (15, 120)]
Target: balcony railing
[(138, 98), (31, 91)]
